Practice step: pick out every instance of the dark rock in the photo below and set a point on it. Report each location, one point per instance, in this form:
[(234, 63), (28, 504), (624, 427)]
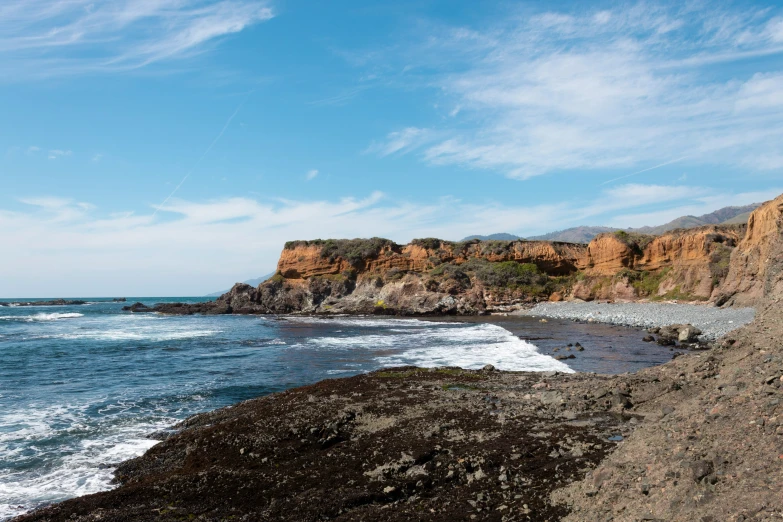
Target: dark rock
[(648, 339), (119, 300), (55, 302), (137, 308), (700, 469), (665, 341)]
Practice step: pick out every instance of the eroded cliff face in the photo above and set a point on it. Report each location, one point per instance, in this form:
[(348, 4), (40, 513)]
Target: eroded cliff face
[(727, 264), (756, 266), (431, 276)]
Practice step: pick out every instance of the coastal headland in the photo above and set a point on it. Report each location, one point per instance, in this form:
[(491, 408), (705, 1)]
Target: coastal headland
[(698, 438)]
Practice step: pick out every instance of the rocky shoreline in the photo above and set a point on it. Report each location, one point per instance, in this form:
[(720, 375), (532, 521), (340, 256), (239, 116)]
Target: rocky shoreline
[(698, 438), (713, 322)]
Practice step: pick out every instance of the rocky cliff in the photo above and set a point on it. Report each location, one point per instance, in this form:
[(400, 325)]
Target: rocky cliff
[(756, 266), (723, 263), (718, 263)]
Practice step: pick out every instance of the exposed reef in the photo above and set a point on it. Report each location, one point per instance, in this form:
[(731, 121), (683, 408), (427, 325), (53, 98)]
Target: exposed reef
[(54, 302)]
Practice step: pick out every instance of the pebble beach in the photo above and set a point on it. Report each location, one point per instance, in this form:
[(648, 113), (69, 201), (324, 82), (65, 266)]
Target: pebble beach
[(712, 321)]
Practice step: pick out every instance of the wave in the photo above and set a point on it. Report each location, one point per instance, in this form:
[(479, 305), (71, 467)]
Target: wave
[(429, 344), (41, 317), (55, 452), (129, 335), (360, 322)]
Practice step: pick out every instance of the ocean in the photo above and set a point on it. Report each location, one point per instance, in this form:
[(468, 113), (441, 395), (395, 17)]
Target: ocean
[(82, 387)]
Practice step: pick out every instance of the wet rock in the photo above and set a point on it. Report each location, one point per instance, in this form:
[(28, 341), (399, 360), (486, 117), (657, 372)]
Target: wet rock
[(648, 339), (138, 308)]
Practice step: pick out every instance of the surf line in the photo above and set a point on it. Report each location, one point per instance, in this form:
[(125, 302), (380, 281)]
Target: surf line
[(204, 155)]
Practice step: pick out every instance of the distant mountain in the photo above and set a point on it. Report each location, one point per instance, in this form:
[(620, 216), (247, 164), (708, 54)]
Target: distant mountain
[(726, 215), (495, 237), (574, 235), (252, 282), (723, 216)]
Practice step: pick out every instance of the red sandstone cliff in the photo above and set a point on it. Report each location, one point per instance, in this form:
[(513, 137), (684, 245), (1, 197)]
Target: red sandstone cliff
[(756, 268), (727, 264)]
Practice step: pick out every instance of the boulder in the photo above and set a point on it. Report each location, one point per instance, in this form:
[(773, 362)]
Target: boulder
[(688, 334)]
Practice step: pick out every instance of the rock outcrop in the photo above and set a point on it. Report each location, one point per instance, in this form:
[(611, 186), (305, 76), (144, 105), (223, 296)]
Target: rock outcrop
[(724, 263), (756, 266)]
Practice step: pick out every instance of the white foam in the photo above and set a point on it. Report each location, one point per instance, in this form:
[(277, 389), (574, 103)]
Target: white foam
[(76, 475), (428, 344), (360, 322), (83, 467), (130, 335), (473, 347), (41, 317)]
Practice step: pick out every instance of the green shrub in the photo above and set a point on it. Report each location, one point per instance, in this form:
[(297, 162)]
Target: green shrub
[(495, 247), (719, 263), (430, 243), (506, 274), (636, 242), (352, 250), (395, 274), (645, 283)]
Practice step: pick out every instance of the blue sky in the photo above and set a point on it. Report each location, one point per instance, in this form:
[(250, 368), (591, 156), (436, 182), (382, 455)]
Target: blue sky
[(170, 147)]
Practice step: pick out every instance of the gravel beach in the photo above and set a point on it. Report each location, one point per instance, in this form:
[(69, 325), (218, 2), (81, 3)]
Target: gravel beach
[(713, 322)]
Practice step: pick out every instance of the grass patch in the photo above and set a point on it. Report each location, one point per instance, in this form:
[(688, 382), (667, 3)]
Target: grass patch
[(636, 242), (355, 251), (676, 294), (645, 283), (719, 263)]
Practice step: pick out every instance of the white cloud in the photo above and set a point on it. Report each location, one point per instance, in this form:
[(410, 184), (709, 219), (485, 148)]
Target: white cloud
[(96, 158), (311, 174), (401, 141), (198, 247), (599, 90), (51, 37), (57, 153), (32, 149)]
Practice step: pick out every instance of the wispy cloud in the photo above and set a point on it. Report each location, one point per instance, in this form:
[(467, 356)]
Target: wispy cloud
[(401, 141), (58, 153), (52, 37), (311, 174), (130, 253), (640, 84)]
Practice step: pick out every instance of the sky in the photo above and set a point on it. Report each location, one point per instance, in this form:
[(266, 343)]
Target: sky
[(171, 147)]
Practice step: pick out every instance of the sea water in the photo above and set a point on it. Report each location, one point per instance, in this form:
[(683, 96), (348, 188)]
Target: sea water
[(81, 387)]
